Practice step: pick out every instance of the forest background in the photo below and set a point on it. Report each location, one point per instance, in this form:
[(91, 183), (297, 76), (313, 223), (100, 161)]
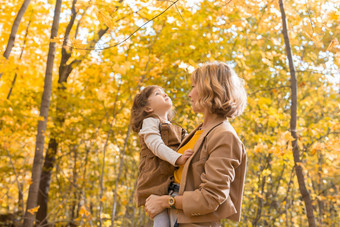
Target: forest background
[(106, 51)]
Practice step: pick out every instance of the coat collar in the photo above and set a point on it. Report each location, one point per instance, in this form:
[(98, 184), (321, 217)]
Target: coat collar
[(188, 137), (202, 136), (197, 146)]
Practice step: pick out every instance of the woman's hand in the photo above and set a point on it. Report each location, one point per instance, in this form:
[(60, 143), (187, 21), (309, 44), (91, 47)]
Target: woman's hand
[(156, 204)]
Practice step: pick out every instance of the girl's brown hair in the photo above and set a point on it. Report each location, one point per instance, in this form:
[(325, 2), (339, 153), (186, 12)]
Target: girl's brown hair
[(220, 90), (138, 110)]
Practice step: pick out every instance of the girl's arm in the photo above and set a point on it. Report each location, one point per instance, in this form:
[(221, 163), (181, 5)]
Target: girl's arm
[(153, 140)]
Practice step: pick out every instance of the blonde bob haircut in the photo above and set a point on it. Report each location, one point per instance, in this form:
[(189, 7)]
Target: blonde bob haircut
[(220, 90)]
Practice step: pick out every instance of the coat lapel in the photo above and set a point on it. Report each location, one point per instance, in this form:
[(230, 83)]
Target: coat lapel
[(188, 137), (195, 149)]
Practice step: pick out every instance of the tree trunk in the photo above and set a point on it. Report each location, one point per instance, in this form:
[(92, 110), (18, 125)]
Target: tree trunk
[(20, 186), (22, 52), (74, 182), (40, 139), (101, 180), (14, 30), (296, 153), (50, 157), (15, 27), (121, 162), (130, 211), (45, 180)]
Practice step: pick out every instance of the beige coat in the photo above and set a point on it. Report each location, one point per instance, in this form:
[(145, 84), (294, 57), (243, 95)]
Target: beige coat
[(213, 178), (155, 174)]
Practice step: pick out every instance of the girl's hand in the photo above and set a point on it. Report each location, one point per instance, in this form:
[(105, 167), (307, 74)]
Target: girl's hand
[(156, 204), (186, 155)]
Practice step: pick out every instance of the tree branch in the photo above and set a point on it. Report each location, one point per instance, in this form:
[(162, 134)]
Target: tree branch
[(22, 52), (14, 30), (119, 43)]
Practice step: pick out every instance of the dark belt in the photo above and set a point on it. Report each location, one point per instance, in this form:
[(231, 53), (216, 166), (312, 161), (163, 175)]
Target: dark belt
[(174, 187)]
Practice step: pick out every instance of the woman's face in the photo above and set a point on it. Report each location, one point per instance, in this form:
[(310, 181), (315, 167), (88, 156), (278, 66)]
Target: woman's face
[(193, 95)]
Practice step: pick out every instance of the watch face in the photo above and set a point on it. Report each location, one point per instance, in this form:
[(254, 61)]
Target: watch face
[(171, 201)]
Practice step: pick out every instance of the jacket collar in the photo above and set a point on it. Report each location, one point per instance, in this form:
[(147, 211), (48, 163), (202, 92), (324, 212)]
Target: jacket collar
[(202, 136), (188, 137), (197, 146)]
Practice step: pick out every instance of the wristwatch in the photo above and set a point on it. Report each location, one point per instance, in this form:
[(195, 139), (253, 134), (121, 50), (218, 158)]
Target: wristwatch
[(172, 201)]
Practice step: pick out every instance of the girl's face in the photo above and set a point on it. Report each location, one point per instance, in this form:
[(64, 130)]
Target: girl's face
[(193, 95), (159, 102)]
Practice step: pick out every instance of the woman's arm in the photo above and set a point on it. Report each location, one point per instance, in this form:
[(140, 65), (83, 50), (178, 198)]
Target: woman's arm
[(156, 204)]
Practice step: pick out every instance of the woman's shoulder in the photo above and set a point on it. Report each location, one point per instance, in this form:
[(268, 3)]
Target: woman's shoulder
[(225, 136), (224, 132)]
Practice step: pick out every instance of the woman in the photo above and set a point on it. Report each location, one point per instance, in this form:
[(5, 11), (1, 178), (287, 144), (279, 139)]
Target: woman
[(212, 180)]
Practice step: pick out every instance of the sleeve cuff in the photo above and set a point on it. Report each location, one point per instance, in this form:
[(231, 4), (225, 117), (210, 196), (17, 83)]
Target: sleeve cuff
[(175, 157)]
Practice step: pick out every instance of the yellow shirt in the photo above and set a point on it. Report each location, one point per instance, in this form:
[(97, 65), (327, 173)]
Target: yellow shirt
[(188, 145)]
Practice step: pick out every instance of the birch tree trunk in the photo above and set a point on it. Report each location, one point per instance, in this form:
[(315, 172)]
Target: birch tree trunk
[(296, 153), (40, 139), (14, 30)]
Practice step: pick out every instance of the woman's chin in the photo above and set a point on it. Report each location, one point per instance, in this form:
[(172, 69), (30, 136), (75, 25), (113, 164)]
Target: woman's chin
[(196, 110)]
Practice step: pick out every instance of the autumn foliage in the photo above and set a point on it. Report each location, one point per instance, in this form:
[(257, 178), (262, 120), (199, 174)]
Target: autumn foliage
[(112, 49)]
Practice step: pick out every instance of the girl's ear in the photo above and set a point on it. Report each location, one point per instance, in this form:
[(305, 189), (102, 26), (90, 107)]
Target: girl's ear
[(148, 109)]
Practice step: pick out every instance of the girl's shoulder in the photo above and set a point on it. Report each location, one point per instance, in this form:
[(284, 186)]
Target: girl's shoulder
[(151, 120), (150, 125)]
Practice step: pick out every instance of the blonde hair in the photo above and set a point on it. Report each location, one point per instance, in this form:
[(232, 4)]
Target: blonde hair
[(138, 110), (220, 90)]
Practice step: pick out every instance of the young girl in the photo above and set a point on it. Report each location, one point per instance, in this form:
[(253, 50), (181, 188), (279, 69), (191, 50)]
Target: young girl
[(150, 118)]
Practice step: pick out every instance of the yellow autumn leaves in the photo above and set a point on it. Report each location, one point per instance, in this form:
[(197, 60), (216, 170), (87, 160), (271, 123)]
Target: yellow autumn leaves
[(33, 210), (280, 147)]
